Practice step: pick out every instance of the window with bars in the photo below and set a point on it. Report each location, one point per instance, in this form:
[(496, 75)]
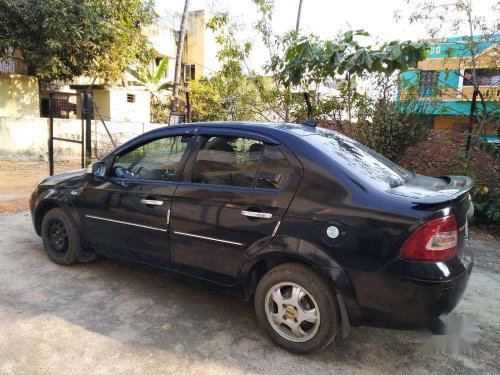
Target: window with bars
[(428, 82)]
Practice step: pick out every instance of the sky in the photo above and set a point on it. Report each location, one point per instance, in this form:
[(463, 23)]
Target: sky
[(325, 18)]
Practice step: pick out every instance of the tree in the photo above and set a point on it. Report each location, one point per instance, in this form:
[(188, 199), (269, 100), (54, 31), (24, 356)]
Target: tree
[(62, 39), (178, 58), (277, 99), (235, 90), (206, 101), (311, 61)]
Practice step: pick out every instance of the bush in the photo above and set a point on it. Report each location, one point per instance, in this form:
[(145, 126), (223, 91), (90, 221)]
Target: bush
[(160, 111), (487, 203), (392, 130)]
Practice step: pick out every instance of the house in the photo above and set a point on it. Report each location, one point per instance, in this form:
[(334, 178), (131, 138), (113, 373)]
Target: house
[(125, 101), (444, 80)]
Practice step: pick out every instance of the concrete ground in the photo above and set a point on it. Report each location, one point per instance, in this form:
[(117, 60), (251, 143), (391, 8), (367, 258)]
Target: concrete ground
[(106, 317)]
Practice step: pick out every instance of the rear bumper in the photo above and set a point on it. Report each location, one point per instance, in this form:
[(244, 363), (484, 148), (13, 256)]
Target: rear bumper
[(405, 294)]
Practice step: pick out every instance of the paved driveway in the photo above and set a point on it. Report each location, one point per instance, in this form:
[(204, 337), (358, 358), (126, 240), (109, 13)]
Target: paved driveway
[(108, 317)]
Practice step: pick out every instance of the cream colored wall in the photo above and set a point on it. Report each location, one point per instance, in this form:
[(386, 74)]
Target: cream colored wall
[(113, 105), (195, 43), (19, 96), (101, 99), (211, 62), (121, 110), (26, 138), (201, 47)]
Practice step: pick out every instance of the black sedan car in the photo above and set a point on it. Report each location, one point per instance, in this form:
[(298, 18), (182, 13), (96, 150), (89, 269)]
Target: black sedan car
[(322, 232)]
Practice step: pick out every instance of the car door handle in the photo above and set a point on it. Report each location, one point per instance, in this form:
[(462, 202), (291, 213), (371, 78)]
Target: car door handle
[(151, 202), (258, 215)]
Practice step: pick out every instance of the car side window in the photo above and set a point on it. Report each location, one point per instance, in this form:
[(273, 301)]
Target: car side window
[(230, 161), (157, 160), (274, 171)]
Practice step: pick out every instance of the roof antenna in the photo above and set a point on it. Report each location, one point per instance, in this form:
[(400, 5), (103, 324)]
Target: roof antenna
[(311, 123)]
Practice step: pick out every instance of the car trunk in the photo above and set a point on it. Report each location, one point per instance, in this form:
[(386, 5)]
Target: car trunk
[(437, 193)]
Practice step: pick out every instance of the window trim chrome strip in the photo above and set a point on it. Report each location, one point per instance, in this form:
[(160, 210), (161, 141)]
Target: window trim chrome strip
[(207, 238), (125, 222)]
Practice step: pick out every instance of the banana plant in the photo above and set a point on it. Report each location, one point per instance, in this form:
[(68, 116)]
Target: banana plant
[(151, 79)]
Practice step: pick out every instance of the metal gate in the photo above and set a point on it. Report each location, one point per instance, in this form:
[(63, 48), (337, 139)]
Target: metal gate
[(59, 105)]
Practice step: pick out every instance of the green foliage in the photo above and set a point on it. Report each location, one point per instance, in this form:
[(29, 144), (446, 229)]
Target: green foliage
[(160, 110), (487, 203), (229, 94), (206, 101), (385, 123), (392, 130), (61, 39), (214, 99), (151, 78), (310, 60), (277, 100)]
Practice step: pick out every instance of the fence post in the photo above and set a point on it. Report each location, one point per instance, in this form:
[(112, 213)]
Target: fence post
[(51, 135), (87, 112)]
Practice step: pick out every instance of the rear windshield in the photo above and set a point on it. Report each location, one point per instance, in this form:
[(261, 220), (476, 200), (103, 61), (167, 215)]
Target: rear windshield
[(359, 160)]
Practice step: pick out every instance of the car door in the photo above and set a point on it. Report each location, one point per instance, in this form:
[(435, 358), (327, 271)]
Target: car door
[(127, 212), (236, 189)]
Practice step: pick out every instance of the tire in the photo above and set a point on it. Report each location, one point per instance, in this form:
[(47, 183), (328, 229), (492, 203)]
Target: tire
[(315, 299), (60, 237)]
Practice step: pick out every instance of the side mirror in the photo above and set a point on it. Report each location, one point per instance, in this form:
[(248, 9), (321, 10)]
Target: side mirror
[(98, 169)]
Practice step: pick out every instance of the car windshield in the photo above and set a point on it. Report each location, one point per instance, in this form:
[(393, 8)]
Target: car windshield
[(360, 160)]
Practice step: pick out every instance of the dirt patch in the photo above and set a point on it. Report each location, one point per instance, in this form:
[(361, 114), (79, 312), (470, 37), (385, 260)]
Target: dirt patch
[(440, 155), (17, 180)]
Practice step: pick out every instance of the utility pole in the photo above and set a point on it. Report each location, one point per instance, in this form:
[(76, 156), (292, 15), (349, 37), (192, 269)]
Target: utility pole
[(178, 59), (297, 25)]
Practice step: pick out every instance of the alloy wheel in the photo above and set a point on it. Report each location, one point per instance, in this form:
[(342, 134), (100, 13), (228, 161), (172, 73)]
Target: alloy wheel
[(292, 312)]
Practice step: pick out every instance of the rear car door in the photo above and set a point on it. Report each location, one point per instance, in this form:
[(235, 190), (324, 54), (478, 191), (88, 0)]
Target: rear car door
[(127, 212), (236, 189)]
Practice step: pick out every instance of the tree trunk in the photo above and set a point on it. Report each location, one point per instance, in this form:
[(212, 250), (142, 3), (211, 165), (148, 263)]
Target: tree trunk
[(470, 127), (178, 58), (299, 13), (349, 102), (307, 98)]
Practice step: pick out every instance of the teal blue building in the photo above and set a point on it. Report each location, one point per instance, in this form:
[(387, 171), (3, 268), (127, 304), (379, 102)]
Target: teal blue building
[(445, 80)]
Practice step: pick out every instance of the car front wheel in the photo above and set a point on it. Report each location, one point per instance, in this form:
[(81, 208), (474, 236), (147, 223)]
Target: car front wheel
[(297, 308), (60, 237)]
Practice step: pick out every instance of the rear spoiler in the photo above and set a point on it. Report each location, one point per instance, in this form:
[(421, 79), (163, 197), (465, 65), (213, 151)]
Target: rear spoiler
[(457, 186), (423, 190)]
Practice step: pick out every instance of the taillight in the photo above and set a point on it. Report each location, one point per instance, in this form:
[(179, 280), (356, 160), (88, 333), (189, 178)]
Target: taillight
[(433, 241)]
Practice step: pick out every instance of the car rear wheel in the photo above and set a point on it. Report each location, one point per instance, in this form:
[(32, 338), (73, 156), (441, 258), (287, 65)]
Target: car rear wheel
[(297, 308), (60, 237)]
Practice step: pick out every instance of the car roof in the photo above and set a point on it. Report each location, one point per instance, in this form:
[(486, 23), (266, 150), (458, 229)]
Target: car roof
[(268, 128)]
